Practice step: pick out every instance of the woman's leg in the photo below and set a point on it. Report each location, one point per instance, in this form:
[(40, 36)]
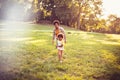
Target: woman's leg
[(59, 55)]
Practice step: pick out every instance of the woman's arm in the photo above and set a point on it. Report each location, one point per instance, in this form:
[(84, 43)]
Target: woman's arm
[(63, 31), (53, 37)]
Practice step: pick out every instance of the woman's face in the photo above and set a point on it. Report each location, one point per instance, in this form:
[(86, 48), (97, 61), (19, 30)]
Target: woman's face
[(56, 26)]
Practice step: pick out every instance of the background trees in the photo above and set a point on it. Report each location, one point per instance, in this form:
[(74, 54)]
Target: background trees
[(80, 14)]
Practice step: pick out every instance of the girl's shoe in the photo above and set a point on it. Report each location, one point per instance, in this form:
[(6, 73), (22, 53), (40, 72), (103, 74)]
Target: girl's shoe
[(61, 61)]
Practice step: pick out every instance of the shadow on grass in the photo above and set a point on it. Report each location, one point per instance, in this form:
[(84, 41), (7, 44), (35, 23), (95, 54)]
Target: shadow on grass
[(6, 76), (115, 76), (19, 76), (116, 71), (113, 67)]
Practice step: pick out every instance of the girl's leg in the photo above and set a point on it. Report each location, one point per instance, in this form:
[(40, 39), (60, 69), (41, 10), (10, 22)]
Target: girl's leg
[(60, 52)]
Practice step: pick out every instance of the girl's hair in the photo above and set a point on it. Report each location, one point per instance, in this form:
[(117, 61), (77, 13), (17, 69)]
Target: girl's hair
[(56, 21), (60, 35)]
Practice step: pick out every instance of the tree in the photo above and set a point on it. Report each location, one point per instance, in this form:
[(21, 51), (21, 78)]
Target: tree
[(88, 10), (75, 13), (114, 24)]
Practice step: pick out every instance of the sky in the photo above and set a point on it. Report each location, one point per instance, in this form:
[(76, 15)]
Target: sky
[(111, 7)]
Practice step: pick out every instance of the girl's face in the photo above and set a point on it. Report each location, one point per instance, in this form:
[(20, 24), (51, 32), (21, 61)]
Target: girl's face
[(60, 38)]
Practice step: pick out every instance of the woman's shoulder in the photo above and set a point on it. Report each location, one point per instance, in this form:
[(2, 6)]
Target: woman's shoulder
[(61, 28)]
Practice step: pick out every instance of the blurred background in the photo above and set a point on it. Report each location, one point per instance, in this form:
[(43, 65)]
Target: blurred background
[(88, 15)]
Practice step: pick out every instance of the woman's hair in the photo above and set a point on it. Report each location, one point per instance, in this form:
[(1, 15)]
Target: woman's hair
[(60, 35), (56, 21)]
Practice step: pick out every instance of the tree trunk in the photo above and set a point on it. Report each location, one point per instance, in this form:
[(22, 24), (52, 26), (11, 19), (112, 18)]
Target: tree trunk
[(78, 18)]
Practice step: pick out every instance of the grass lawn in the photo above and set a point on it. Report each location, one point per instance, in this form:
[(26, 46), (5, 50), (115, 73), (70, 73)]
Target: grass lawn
[(27, 53)]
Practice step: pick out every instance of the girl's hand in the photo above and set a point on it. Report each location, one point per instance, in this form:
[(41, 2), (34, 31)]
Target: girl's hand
[(61, 45)]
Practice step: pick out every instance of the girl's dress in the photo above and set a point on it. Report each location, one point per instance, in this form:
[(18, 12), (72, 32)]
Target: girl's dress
[(59, 43)]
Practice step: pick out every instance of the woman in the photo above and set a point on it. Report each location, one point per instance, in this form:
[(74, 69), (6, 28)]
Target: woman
[(58, 30)]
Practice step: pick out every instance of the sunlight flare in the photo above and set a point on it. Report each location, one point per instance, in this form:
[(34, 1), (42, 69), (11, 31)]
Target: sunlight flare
[(111, 7)]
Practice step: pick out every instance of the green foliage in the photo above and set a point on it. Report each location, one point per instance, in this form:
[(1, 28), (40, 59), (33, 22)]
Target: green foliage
[(114, 26), (69, 12)]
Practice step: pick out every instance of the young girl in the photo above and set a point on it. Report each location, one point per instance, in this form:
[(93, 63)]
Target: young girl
[(60, 46)]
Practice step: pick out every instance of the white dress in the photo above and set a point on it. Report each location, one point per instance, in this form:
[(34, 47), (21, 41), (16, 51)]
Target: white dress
[(59, 43)]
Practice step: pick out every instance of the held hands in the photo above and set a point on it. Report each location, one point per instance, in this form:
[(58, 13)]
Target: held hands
[(60, 45)]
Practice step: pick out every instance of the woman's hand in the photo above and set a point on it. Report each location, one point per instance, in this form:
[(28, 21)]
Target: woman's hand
[(65, 41), (53, 42)]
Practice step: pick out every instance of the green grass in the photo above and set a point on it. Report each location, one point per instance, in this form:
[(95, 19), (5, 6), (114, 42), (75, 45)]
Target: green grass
[(87, 55)]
